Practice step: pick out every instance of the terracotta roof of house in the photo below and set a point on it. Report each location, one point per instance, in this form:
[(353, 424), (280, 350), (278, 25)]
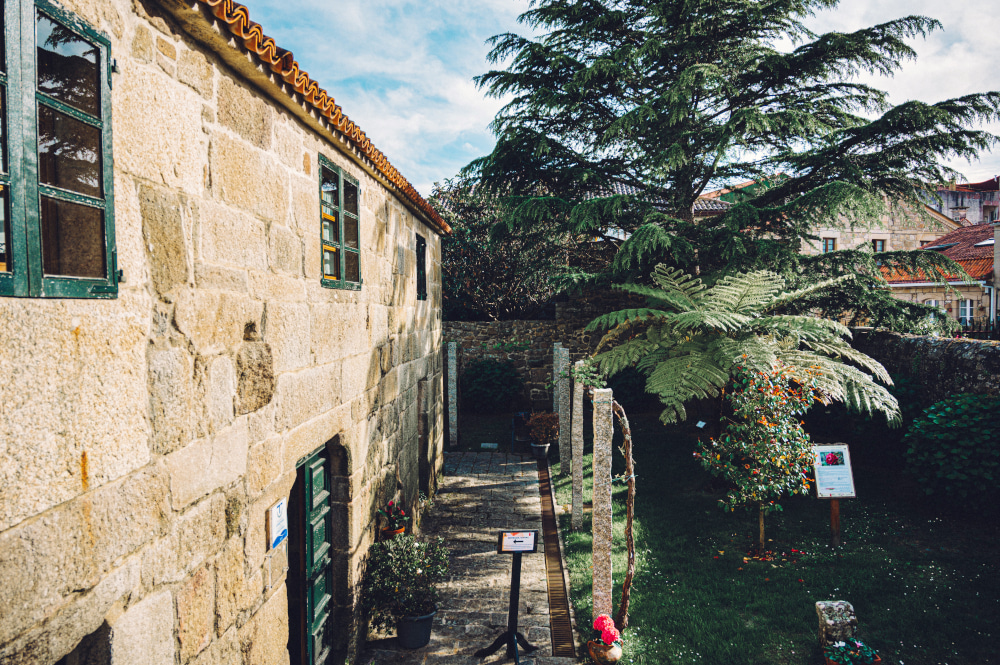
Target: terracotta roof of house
[(719, 192), (991, 185), (709, 206), (960, 246), (282, 63), (703, 205)]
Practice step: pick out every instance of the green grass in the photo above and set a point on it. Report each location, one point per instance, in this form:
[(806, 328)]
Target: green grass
[(924, 585)]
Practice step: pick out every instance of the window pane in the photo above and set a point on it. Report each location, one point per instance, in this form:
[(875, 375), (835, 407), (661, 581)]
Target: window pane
[(351, 231), (351, 198), (329, 189), (331, 229), (67, 66), (72, 239), (69, 153), (352, 272), (331, 264), (4, 232), (3, 34)]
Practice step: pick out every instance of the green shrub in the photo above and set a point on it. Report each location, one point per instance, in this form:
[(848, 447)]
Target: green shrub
[(490, 385), (954, 448), (401, 578)]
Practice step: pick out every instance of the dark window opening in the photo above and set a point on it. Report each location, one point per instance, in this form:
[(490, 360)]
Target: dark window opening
[(421, 268)]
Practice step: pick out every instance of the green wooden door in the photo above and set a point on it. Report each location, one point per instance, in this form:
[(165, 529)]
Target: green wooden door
[(316, 571)]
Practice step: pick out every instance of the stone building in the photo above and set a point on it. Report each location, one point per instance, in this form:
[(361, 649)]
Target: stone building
[(220, 306), (903, 228), (970, 203), (970, 302)]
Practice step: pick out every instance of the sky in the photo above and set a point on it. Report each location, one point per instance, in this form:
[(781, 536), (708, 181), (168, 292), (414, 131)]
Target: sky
[(403, 69)]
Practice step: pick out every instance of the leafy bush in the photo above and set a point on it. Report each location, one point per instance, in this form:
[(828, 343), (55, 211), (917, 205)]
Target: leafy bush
[(763, 451), (490, 385), (954, 447), (401, 578)]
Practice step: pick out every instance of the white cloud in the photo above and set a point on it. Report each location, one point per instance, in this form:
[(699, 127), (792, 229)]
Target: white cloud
[(403, 69)]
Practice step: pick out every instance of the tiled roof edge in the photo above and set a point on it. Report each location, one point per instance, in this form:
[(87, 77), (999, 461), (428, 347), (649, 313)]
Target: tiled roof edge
[(282, 62)]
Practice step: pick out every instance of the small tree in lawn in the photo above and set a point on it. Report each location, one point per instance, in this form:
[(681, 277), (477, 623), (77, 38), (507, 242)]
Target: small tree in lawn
[(762, 452)]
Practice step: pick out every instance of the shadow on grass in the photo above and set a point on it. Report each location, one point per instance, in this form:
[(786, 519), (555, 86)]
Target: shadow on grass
[(923, 586)]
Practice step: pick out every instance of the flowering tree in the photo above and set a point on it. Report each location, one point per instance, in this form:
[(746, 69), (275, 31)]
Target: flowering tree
[(763, 452)]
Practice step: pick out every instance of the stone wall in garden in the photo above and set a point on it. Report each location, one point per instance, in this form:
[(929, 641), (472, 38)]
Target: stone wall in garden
[(528, 344), (939, 367)]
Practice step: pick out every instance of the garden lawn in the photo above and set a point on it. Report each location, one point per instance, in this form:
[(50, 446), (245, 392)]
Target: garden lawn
[(924, 586)]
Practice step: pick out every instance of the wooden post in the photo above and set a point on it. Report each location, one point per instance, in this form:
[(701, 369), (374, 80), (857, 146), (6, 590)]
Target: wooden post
[(835, 522)]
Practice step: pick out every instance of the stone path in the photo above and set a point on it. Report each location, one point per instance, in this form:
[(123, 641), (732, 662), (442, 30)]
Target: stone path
[(481, 494)]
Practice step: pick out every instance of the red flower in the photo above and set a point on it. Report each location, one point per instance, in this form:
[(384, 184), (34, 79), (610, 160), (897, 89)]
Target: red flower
[(609, 637), (390, 503), (603, 623), (402, 512)]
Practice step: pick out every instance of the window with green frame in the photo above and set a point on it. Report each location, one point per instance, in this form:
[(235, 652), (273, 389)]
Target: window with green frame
[(56, 207), (421, 268), (340, 227)]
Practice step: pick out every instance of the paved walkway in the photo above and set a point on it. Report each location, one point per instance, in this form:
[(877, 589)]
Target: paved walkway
[(481, 494)]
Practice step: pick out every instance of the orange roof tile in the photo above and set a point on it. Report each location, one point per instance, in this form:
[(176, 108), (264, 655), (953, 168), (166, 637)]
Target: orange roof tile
[(282, 63), (977, 261)]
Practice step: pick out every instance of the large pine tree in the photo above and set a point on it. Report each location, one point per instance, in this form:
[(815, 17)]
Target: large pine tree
[(623, 112)]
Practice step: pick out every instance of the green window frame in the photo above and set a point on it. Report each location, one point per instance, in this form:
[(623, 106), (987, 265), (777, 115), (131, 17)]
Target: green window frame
[(340, 227), (421, 268), (56, 170)]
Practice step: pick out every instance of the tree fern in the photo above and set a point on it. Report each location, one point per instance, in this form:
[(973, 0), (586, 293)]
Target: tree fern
[(691, 348)]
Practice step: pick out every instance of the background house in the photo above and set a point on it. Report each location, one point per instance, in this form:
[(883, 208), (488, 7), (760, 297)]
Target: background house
[(974, 203), (971, 303), (219, 300)]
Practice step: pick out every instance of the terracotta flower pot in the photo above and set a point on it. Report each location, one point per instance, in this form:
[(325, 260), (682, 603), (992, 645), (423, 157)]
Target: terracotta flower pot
[(602, 653), (388, 534)]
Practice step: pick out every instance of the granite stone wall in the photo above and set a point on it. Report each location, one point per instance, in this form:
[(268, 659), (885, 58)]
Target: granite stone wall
[(939, 367), (143, 438), (528, 344)]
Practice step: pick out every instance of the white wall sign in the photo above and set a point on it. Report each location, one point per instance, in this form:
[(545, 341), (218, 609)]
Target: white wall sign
[(518, 541), (834, 479), (277, 523)]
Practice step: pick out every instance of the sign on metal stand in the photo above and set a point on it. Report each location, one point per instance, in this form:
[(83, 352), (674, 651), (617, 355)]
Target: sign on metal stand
[(834, 481), (515, 543)]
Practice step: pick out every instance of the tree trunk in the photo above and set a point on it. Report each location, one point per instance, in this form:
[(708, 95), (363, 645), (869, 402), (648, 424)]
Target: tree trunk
[(621, 618), (760, 527)]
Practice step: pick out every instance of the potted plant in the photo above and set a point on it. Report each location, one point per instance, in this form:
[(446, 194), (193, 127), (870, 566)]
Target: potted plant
[(607, 647), (850, 652), (544, 429), (399, 586), (394, 520)]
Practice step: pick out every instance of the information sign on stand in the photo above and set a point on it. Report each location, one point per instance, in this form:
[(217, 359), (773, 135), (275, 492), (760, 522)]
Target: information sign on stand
[(834, 481), (515, 543)]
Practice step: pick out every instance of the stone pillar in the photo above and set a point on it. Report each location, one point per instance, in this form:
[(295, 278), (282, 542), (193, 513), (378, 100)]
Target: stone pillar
[(563, 390), (452, 394), (555, 376), (577, 452), (837, 621), (603, 429)]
